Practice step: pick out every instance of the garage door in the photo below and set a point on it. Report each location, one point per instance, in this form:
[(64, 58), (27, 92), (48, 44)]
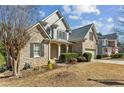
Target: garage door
[(93, 52)]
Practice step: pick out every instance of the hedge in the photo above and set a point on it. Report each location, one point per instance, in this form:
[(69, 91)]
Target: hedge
[(81, 59), (117, 55), (65, 57), (98, 56), (88, 56), (105, 55)]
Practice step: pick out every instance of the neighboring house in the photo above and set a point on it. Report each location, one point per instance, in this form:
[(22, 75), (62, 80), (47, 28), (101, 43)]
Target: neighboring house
[(84, 40), (120, 47), (52, 36), (108, 44)]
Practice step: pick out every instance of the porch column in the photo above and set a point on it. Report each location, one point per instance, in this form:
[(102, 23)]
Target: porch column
[(59, 50), (49, 51), (67, 48), (83, 48)]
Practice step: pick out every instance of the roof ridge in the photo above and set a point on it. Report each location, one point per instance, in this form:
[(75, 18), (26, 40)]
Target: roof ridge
[(82, 26), (50, 15)]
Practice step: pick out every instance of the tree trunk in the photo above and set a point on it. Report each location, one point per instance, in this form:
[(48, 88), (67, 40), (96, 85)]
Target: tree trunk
[(8, 60), (18, 64), (16, 69)]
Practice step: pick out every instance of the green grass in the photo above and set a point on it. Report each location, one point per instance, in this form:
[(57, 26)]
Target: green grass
[(2, 59)]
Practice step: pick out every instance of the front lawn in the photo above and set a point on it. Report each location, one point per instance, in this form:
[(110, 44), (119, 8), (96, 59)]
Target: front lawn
[(81, 74)]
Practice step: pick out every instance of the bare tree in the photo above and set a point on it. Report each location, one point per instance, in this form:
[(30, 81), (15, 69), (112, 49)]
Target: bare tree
[(14, 22), (119, 23)]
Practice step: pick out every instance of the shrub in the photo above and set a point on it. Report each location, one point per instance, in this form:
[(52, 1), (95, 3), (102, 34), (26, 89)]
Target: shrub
[(81, 59), (3, 68), (37, 68), (105, 55), (50, 65), (72, 60), (27, 66), (65, 57), (2, 59), (88, 56), (117, 55), (98, 56)]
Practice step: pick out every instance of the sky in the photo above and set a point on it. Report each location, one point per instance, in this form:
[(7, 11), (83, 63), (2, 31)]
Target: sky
[(103, 16)]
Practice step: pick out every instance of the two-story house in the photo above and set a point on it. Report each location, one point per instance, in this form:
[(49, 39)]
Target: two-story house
[(108, 44), (53, 36), (49, 38)]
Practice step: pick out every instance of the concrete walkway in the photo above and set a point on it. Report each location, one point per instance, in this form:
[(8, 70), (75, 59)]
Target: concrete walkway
[(110, 61)]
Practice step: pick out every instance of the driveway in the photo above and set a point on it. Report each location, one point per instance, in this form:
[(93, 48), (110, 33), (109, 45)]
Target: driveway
[(113, 61)]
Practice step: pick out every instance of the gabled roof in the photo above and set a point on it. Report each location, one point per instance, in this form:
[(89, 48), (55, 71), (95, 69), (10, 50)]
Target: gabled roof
[(61, 18), (109, 36), (40, 27), (79, 33)]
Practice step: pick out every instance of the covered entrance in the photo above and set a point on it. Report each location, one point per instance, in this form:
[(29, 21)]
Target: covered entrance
[(56, 48)]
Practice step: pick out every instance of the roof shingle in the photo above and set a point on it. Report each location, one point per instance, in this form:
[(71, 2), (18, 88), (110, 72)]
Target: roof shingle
[(79, 33), (110, 36)]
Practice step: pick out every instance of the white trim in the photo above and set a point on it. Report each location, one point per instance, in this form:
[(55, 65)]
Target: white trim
[(96, 38), (50, 15), (58, 20), (31, 27), (59, 50), (38, 48), (40, 26), (67, 48), (44, 30)]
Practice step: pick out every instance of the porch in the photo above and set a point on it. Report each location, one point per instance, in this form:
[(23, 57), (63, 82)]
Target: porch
[(57, 47)]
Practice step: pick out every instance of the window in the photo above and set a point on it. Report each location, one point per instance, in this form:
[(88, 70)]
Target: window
[(62, 35), (36, 49), (104, 42), (111, 43), (50, 31), (91, 36)]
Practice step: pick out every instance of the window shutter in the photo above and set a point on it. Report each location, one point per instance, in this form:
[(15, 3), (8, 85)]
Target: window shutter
[(31, 50), (42, 49)]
